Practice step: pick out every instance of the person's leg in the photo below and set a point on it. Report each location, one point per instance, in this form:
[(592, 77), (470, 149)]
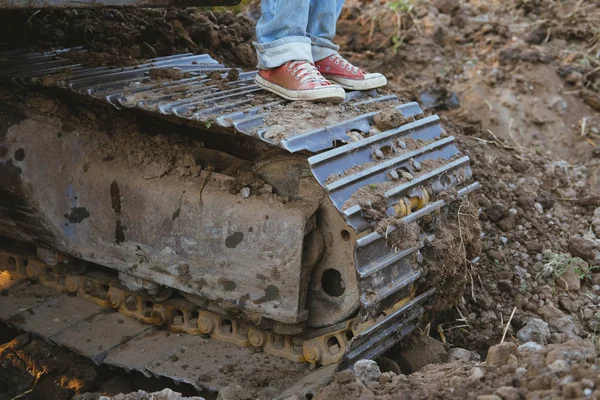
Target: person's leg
[(285, 56), (281, 33), (322, 21)]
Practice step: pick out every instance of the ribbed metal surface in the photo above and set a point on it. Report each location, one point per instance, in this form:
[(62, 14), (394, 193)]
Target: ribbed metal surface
[(238, 106)]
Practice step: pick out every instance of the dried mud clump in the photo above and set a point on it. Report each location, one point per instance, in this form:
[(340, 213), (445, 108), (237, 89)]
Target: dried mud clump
[(447, 258), (126, 37), (389, 118)]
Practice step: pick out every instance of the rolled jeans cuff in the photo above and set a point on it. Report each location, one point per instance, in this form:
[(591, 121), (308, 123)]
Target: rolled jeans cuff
[(275, 54), (322, 48)]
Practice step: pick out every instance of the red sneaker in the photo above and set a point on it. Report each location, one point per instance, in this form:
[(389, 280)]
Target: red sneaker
[(299, 80), (340, 71)]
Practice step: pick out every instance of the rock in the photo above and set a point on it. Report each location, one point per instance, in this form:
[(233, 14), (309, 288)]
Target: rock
[(385, 378), (512, 361), (508, 393), (596, 221), (499, 355), (534, 330), (447, 6), (245, 192), (530, 346), (588, 314), (489, 397), (519, 166), (537, 36), (569, 305), (538, 207), (496, 212), (591, 98), (546, 200), (476, 375), (165, 394), (458, 354), (559, 365), (569, 280), (367, 371), (572, 390), (584, 248), (557, 320), (574, 78)]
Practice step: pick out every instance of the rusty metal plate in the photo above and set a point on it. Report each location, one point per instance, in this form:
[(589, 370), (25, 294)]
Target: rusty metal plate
[(55, 315), (96, 336), (23, 297), (210, 364)]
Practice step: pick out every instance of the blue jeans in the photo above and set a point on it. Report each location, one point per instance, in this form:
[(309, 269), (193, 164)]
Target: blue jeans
[(296, 30)]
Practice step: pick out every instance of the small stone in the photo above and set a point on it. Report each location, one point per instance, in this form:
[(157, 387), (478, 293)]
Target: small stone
[(508, 393), (574, 78), (584, 248), (569, 280), (588, 314), (512, 361), (559, 365), (557, 320), (495, 212), (534, 330), (245, 192), (476, 375), (499, 355), (538, 207), (521, 372), (367, 371), (572, 391), (596, 221), (530, 346), (385, 378), (568, 305), (513, 212), (489, 397), (458, 354)]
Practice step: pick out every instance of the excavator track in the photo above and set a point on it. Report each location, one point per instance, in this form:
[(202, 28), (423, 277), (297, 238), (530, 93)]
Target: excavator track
[(413, 164)]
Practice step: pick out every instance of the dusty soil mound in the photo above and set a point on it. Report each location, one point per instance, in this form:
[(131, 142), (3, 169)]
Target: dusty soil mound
[(569, 370), (124, 37)]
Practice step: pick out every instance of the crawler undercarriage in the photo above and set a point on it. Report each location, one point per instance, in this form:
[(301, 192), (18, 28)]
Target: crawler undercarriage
[(180, 195)]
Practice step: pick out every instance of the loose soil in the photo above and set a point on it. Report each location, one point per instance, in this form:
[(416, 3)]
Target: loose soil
[(517, 83), (126, 37)]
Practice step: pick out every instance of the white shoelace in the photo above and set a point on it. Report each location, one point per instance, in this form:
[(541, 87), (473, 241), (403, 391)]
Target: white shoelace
[(305, 72), (344, 63)]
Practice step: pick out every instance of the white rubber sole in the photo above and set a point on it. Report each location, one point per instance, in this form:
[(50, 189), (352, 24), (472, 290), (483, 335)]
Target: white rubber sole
[(327, 93), (371, 81)]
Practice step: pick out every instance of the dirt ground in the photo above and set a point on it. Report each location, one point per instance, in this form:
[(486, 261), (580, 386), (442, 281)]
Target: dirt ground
[(518, 83)]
